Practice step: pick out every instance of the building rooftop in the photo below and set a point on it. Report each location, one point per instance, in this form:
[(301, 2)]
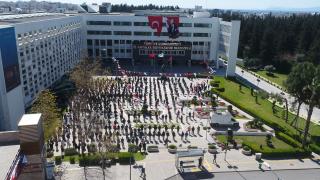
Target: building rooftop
[(29, 119), (22, 18), (7, 156)]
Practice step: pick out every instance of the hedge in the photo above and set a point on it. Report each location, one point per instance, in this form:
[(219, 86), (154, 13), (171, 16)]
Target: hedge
[(287, 139), (315, 148), (72, 160), (58, 160), (124, 158), (94, 160), (70, 152), (279, 153)]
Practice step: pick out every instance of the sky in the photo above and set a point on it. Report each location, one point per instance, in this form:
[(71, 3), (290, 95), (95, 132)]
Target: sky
[(223, 4)]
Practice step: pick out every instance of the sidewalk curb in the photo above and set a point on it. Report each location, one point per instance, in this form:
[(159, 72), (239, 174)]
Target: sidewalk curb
[(294, 169)]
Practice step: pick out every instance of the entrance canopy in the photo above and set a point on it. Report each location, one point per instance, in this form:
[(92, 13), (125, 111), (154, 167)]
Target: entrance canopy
[(189, 155)]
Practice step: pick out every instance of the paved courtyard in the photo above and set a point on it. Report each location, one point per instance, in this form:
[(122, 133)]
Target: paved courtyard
[(163, 96)]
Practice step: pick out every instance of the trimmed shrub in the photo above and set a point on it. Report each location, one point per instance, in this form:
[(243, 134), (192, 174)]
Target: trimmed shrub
[(50, 154), (70, 152), (246, 148), (212, 146), (90, 160), (315, 148), (287, 139), (133, 148), (172, 146), (58, 160), (72, 160), (220, 89), (124, 158)]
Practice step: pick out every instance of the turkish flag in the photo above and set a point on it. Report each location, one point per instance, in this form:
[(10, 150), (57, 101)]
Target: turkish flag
[(155, 22)]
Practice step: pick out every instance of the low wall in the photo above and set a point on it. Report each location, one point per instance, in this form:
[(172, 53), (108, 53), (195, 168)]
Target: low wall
[(9, 137), (243, 133)]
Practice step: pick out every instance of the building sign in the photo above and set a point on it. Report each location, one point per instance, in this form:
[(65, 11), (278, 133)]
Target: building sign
[(162, 50), (10, 63)]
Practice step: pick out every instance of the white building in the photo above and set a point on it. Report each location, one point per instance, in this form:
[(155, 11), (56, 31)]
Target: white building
[(47, 46), (112, 35)]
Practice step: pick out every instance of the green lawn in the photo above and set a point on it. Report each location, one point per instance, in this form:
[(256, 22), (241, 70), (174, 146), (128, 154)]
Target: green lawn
[(278, 78), (278, 149), (258, 140), (262, 109)]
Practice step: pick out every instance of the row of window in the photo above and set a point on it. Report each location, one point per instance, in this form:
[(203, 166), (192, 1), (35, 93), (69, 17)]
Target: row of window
[(143, 33), (103, 42), (128, 23), (109, 52)]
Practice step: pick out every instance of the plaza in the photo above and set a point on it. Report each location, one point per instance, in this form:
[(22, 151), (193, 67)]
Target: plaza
[(121, 123)]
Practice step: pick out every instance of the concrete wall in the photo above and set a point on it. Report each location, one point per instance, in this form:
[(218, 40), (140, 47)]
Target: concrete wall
[(233, 48)]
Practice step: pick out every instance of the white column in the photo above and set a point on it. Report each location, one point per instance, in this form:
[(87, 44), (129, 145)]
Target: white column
[(233, 48)]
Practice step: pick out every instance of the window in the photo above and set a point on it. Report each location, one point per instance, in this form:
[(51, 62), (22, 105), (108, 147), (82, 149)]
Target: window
[(161, 34), (116, 41), (108, 23), (102, 42), (185, 24), (89, 42), (97, 52), (140, 33), (202, 25), (90, 52), (122, 23), (185, 34), (109, 42), (99, 32), (122, 33), (128, 42), (96, 42), (195, 43), (128, 50), (201, 35), (140, 24)]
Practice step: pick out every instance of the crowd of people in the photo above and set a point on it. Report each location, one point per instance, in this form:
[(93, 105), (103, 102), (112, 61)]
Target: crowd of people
[(111, 110)]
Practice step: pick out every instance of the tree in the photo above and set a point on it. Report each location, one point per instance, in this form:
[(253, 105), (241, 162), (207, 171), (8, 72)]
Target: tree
[(299, 78), (281, 99), (46, 105), (304, 84), (269, 69)]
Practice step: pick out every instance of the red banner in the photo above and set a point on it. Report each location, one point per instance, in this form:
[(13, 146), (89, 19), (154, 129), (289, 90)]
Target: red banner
[(173, 26), (155, 22)]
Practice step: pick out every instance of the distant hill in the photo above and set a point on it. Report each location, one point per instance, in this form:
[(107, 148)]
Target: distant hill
[(311, 9)]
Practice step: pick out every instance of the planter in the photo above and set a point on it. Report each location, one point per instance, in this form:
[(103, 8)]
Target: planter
[(212, 151), (152, 149), (172, 151), (246, 152)]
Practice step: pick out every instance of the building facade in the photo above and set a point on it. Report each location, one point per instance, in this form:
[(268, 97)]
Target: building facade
[(114, 35), (45, 47)]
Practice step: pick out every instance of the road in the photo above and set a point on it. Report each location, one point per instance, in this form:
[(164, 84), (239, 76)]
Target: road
[(309, 174), (272, 89)]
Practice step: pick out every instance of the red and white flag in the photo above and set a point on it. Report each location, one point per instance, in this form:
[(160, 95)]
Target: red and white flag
[(155, 22)]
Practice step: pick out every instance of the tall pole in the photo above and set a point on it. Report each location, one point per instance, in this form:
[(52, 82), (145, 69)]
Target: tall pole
[(130, 165)]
